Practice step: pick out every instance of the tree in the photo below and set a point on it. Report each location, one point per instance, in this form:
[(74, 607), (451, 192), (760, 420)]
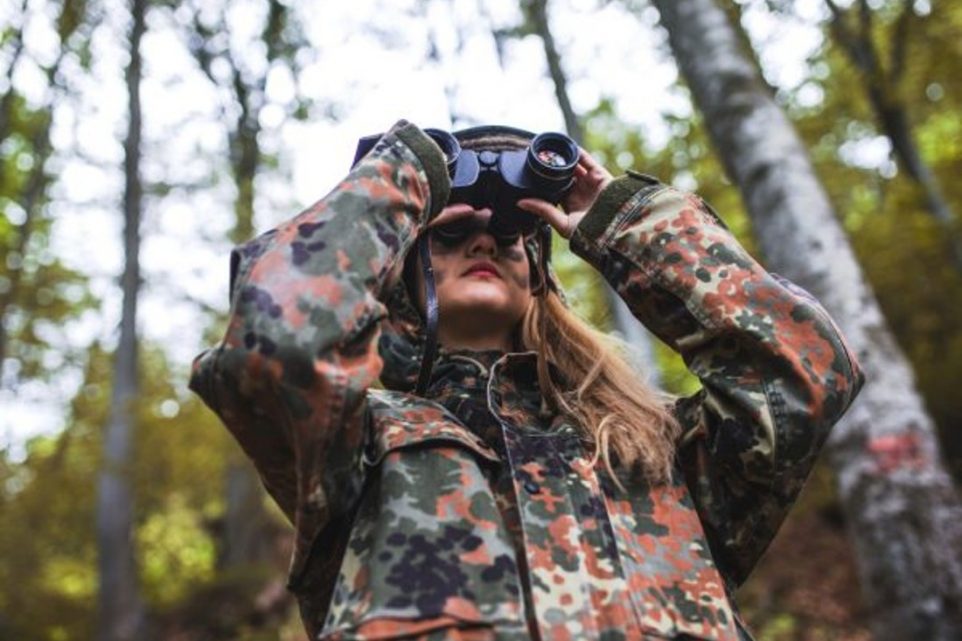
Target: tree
[(901, 247), (901, 508), (881, 84), (122, 615)]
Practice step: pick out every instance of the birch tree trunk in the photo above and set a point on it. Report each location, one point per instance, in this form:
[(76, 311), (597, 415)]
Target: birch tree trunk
[(633, 333), (902, 510), (121, 607)]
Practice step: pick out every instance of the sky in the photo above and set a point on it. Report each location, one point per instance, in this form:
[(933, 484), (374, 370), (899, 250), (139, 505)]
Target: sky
[(368, 66)]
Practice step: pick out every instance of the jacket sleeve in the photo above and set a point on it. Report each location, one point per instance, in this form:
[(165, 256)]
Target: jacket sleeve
[(776, 373), (289, 377)]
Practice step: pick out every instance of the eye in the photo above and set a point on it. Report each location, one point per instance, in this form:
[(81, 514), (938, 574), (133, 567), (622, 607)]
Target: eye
[(451, 235), (506, 240)]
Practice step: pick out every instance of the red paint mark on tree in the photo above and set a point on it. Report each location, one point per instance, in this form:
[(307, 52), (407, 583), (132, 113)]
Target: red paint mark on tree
[(897, 451)]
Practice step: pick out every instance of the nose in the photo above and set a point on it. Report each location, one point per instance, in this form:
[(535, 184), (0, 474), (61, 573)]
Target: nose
[(482, 243)]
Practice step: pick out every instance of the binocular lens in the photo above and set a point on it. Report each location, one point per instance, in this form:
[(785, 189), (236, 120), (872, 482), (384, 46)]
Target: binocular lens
[(553, 157)]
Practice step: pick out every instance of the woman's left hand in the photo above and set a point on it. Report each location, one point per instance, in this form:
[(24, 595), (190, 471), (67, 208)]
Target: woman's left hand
[(590, 179)]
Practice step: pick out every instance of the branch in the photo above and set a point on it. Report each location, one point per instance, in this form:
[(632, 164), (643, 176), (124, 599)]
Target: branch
[(6, 105), (539, 17), (900, 39)]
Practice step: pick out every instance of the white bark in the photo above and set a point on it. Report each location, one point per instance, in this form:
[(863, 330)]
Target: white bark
[(903, 514), (121, 616)]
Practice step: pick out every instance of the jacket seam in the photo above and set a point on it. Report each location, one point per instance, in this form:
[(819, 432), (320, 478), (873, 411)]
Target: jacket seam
[(778, 413)]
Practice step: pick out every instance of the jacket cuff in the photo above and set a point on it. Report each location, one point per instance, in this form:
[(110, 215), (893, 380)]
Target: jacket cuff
[(610, 202), (432, 160)]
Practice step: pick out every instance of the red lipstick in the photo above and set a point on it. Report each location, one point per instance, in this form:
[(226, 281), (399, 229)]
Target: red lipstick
[(483, 269)]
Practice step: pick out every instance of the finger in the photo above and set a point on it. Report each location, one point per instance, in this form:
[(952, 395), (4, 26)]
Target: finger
[(546, 212), (458, 211), (587, 160)]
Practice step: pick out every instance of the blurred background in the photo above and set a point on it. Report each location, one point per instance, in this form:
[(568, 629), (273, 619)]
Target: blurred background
[(140, 140)]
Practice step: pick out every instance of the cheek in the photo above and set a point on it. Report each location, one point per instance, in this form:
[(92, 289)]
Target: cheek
[(517, 261), (521, 278)]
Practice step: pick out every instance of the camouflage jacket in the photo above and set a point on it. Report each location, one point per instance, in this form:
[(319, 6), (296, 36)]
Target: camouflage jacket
[(475, 513)]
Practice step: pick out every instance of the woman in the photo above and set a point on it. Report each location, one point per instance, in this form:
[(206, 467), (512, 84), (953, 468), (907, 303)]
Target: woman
[(533, 489)]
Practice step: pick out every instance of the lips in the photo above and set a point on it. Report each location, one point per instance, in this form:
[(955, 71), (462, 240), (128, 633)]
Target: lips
[(483, 268)]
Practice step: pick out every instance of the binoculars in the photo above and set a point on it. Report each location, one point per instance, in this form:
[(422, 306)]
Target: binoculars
[(499, 179)]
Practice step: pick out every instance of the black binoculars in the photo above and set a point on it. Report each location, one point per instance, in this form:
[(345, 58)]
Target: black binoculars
[(499, 179)]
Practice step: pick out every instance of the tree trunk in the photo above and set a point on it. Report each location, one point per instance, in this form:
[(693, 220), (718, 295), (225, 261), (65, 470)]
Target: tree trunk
[(249, 535), (903, 514), (635, 336), (248, 532), (121, 608), (6, 103)]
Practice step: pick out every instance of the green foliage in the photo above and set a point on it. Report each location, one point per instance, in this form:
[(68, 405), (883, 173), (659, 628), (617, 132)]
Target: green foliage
[(582, 285), (177, 552), (48, 504), (39, 294)]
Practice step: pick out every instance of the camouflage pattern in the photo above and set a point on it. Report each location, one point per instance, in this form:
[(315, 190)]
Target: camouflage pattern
[(475, 513)]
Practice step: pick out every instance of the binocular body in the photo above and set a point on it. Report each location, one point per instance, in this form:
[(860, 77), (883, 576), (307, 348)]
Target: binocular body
[(499, 179)]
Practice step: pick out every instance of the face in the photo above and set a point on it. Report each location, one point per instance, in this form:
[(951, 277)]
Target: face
[(481, 281)]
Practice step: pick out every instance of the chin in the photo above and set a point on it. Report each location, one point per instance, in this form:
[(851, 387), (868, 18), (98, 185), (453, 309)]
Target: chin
[(478, 306), (495, 310)]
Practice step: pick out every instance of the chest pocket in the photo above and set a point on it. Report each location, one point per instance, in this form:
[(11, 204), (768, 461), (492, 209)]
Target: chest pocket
[(399, 421), (428, 551), (673, 582)]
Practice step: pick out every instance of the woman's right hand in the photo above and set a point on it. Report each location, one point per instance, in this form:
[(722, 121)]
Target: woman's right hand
[(590, 179)]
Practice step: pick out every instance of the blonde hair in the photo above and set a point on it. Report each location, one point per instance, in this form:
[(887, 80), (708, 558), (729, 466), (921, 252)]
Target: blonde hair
[(621, 415)]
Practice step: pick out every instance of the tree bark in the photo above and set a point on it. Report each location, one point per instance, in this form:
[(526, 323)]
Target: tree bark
[(633, 333), (121, 607), (902, 511)]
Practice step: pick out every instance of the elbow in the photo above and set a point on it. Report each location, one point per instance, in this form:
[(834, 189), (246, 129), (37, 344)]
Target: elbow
[(820, 384), (202, 378), (838, 382)]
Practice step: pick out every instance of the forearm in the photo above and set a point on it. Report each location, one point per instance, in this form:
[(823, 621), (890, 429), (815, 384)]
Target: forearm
[(769, 357), (300, 350)]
